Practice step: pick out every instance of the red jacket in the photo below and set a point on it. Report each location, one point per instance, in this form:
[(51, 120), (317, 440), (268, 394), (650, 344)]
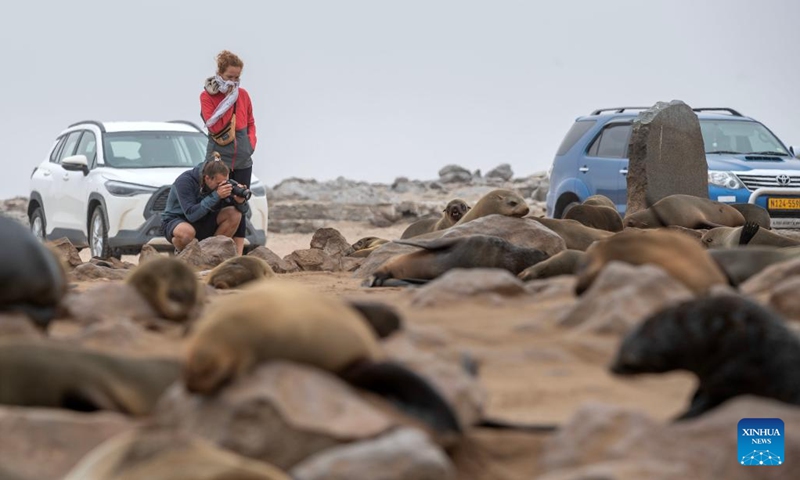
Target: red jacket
[(244, 113)]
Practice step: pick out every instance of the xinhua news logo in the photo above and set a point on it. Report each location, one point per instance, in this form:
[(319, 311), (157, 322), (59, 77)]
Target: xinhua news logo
[(761, 442)]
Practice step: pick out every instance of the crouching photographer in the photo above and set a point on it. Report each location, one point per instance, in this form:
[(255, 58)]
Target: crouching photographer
[(203, 203)]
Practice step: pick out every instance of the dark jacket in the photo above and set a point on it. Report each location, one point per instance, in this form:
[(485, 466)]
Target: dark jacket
[(190, 200)]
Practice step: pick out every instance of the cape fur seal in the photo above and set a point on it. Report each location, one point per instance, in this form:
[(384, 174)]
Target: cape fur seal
[(733, 345), (599, 201), (443, 254), (599, 217), (152, 452), (576, 235), (685, 211), (366, 245), (239, 270), (681, 256), (748, 234), (283, 320), (741, 263), (500, 201), (32, 277), (754, 213), (564, 262), (169, 285), (451, 214), (45, 374)]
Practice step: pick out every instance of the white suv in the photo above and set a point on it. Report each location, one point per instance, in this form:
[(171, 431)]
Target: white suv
[(104, 185)]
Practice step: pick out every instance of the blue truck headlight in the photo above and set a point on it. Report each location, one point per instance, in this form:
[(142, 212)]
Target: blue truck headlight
[(724, 179)]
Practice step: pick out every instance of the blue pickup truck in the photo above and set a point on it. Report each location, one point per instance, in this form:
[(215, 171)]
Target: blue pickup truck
[(746, 163)]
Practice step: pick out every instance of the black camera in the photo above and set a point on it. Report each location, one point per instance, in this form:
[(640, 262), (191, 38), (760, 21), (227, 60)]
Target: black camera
[(240, 191)]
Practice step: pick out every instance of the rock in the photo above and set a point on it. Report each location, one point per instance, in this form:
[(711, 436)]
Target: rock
[(313, 260), (351, 264), (403, 454), (519, 231), (67, 251), (18, 325), (784, 299), (278, 264), (108, 302), (44, 444), (192, 254), (111, 263), (330, 241), (460, 284), (148, 252), (622, 296), (666, 139), (502, 171), (280, 414), (454, 174), (217, 249), (90, 271), (384, 215)]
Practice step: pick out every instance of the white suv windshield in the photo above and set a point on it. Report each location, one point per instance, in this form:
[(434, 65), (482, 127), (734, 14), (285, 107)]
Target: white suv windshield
[(154, 149), (739, 137)]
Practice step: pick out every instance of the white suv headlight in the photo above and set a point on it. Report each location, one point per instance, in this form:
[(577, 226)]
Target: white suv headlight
[(125, 189), (724, 179)]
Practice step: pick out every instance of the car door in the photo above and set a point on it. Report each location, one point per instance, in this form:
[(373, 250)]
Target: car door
[(60, 212), (78, 185), (605, 166), (42, 181)]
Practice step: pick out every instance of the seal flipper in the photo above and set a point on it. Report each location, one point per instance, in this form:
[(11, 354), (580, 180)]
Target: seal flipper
[(383, 319), (393, 282), (749, 230), (436, 244), (407, 390), (499, 424)]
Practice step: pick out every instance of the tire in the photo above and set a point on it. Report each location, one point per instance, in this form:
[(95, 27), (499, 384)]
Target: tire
[(38, 224), (98, 234)]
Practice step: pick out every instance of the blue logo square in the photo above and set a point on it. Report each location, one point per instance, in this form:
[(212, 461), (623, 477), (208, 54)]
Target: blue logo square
[(761, 442)]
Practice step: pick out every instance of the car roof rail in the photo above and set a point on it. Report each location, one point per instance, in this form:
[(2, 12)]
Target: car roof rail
[(617, 109), (723, 109), (92, 122), (187, 122)]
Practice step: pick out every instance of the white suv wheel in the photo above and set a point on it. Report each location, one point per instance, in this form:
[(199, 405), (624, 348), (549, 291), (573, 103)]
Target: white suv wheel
[(37, 224), (98, 234)]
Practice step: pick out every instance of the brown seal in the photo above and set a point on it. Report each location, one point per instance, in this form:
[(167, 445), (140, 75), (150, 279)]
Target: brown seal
[(239, 270), (32, 277), (576, 235), (501, 201), (443, 254), (685, 211), (599, 217), (564, 262), (282, 320), (599, 201), (741, 263), (366, 245), (754, 214), (681, 256), (420, 227), (154, 452), (733, 345), (169, 285), (44, 374), (451, 214), (749, 234)]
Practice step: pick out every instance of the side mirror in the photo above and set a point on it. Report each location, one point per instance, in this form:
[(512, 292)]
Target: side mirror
[(76, 163), (795, 152)]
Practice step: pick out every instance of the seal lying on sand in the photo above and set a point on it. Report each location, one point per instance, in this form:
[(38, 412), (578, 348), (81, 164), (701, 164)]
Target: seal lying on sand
[(443, 254), (576, 235), (283, 320), (32, 279), (169, 285), (564, 262), (599, 201), (741, 263), (685, 211), (748, 234), (451, 214), (754, 214), (681, 256), (734, 346), (239, 270), (501, 201), (599, 217), (44, 374), (366, 245)]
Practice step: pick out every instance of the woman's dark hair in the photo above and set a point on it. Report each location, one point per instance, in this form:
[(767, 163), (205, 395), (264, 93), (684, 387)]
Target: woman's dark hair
[(214, 167)]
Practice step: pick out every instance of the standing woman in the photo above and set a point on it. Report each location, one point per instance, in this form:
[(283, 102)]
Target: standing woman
[(228, 115)]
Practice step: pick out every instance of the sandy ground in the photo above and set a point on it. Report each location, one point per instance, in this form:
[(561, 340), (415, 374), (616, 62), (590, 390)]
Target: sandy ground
[(534, 370)]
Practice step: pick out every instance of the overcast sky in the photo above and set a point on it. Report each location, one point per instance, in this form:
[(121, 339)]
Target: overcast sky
[(373, 90)]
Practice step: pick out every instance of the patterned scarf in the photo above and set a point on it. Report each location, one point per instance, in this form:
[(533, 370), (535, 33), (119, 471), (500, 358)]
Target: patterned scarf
[(216, 85)]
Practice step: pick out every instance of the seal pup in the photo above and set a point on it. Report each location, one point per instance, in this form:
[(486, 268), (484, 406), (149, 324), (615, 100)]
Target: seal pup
[(733, 345), (741, 263), (443, 254), (169, 286), (681, 256), (599, 201), (750, 233), (564, 262), (47, 374), (366, 245), (271, 320), (599, 217), (153, 452), (576, 235), (239, 270), (32, 277), (451, 214), (685, 211), (754, 213), (500, 201)]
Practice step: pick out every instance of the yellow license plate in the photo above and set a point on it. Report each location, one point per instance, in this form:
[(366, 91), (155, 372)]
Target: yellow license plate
[(783, 203)]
